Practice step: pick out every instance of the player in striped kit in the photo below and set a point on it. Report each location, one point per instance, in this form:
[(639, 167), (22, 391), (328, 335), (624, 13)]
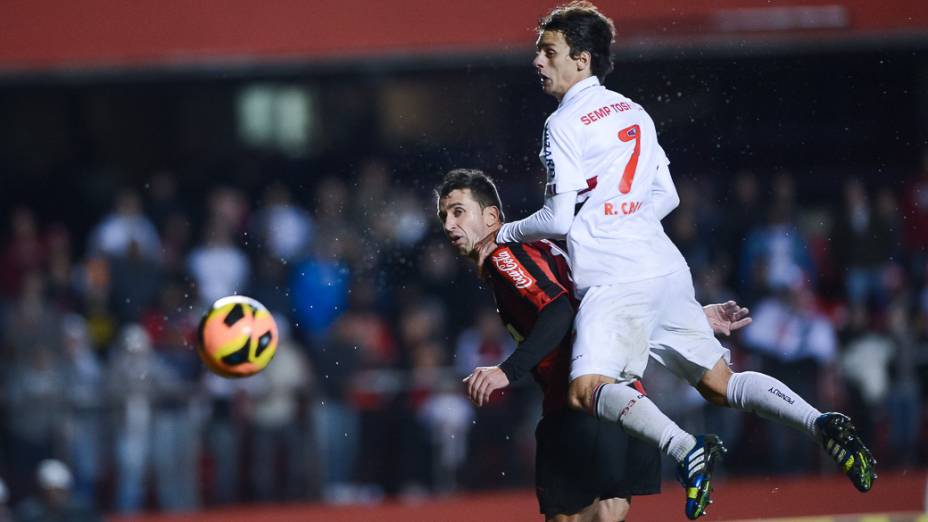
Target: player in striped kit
[(585, 467)]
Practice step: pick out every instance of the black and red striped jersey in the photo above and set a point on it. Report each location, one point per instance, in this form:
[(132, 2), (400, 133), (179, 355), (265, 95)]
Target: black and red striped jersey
[(527, 277)]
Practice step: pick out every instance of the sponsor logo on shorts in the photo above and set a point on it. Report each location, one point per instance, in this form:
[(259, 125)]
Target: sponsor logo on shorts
[(781, 395)]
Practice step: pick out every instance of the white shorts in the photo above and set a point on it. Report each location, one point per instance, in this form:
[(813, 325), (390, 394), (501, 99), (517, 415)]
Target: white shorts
[(619, 326)]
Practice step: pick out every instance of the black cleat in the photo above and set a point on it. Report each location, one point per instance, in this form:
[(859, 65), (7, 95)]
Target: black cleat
[(842, 443)]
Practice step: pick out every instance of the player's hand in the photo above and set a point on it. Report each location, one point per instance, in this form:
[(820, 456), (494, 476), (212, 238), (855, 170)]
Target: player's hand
[(485, 247), (483, 382), (725, 318)]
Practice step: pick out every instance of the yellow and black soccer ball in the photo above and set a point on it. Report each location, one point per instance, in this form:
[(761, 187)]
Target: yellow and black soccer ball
[(237, 337)]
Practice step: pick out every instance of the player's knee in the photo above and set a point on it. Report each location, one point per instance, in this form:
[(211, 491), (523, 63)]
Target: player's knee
[(714, 384), (580, 396), (612, 510), (582, 389), (714, 397)]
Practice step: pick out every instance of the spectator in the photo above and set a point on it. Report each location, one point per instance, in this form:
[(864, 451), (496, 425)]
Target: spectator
[(31, 322), (915, 214), (338, 360), (126, 224), (84, 428), (150, 432), (24, 252), (55, 502), (228, 205), (218, 265), (865, 364), (282, 228), (176, 232), (60, 268), (443, 419), (136, 281), (227, 405), (743, 212), (279, 440), (35, 394), (486, 343), (775, 256), (319, 287), (863, 245), (176, 407)]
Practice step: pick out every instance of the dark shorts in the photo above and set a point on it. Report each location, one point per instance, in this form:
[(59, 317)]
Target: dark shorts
[(579, 459)]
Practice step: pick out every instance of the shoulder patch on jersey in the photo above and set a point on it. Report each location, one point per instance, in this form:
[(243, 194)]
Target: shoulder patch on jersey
[(507, 265)]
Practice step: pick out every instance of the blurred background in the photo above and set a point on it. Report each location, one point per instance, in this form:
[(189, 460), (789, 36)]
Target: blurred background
[(155, 156)]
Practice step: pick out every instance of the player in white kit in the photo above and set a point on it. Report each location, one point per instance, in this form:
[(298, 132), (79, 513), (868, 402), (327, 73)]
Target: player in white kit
[(608, 188)]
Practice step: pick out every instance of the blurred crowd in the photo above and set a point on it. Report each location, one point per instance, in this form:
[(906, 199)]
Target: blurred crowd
[(379, 321)]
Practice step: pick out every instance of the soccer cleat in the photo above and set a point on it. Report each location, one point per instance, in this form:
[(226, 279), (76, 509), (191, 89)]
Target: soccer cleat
[(842, 443), (695, 473)]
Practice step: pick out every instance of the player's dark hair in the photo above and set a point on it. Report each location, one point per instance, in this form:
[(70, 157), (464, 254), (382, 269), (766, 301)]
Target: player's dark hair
[(585, 29), (481, 187)]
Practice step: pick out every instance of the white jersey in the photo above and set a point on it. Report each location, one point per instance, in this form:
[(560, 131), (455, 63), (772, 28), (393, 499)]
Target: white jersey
[(604, 146)]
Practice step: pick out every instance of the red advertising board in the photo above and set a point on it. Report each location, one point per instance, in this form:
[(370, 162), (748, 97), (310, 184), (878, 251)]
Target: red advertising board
[(44, 34)]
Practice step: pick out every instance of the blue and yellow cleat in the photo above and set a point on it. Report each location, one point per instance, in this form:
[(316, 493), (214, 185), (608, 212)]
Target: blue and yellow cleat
[(695, 473), (842, 443)]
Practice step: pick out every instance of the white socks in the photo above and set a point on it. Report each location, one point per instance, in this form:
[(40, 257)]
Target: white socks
[(771, 399), (641, 418), (748, 391)]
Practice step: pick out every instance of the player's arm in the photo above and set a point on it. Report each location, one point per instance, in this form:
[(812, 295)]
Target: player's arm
[(664, 195), (552, 221), (531, 279), (563, 159), (553, 324)]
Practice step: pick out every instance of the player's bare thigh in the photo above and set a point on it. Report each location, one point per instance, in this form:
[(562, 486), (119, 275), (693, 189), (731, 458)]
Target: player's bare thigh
[(580, 392), (608, 510)]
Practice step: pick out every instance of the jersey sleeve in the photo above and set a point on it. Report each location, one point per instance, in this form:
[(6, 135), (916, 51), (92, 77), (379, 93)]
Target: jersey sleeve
[(562, 156), (553, 325), (552, 221), (663, 192), (524, 269)]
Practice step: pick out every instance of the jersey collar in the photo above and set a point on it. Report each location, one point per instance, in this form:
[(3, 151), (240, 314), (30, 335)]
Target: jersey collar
[(577, 88)]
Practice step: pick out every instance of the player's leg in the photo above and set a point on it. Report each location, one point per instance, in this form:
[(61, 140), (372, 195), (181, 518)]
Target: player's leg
[(604, 398), (580, 459), (772, 399), (565, 466), (585, 515), (612, 510), (614, 325), (757, 393), (684, 343), (606, 510)]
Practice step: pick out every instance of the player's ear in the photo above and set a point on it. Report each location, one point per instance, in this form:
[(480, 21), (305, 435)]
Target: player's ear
[(584, 60), (490, 216)]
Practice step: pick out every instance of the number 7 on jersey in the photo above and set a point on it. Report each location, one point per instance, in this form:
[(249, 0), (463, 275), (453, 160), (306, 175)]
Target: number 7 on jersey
[(628, 134)]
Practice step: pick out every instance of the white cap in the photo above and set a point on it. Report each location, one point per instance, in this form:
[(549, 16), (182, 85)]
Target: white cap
[(53, 474)]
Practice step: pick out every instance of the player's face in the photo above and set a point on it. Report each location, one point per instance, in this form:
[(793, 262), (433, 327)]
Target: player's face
[(557, 70), (463, 221)]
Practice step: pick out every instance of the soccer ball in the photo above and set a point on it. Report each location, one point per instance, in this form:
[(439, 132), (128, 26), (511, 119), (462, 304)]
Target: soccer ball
[(237, 337)]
